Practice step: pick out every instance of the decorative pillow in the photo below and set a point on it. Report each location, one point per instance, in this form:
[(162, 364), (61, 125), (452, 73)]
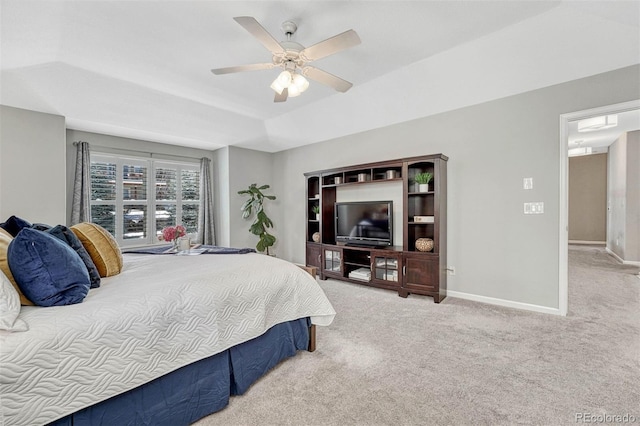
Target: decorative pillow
[(14, 224), (10, 307), (5, 240), (65, 234), (47, 270), (102, 247), (41, 226)]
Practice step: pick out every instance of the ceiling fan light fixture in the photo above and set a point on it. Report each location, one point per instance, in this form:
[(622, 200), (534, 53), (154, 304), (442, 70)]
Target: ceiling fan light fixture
[(294, 91), (598, 123), (277, 87), (300, 82), (282, 82), (285, 78), (293, 58)]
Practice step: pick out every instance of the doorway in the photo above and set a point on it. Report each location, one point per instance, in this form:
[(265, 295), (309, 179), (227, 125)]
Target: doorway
[(566, 121)]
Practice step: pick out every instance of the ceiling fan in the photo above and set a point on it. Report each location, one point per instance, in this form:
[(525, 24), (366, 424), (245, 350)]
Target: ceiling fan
[(294, 59)]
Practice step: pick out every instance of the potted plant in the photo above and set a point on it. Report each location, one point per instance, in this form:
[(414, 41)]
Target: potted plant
[(254, 206), (316, 210), (423, 179)]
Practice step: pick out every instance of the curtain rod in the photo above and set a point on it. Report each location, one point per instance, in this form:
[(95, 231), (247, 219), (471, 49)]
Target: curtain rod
[(150, 154)]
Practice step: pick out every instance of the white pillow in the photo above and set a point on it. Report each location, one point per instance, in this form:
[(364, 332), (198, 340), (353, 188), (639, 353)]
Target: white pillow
[(10, 306)]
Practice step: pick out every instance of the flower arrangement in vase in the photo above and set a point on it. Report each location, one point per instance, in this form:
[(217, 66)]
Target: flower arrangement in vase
[(173, 233)]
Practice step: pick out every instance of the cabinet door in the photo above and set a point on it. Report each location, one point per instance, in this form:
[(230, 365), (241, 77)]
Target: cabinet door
[(385, 268), (314, 255), (332, 261), (421, 273)]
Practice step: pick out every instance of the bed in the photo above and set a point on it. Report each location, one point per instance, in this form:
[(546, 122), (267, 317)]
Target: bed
[(165, 341)]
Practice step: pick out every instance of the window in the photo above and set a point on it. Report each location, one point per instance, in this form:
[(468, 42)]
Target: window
[(125, 189)]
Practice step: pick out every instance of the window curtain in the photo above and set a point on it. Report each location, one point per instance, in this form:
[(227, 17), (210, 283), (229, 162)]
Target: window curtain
[(81, 208), (206, 234)]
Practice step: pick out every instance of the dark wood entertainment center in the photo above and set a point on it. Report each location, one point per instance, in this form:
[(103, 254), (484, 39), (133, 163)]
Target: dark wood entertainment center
[(404, 269)]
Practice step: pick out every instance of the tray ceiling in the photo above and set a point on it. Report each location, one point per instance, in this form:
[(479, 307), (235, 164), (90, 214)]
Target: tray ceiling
[(141, 69)]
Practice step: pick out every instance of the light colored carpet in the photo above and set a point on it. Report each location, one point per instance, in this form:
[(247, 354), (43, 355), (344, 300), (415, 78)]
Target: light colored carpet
[(392, 361)]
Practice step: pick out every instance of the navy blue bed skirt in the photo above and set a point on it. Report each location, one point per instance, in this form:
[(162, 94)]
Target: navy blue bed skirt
[(199, 389)]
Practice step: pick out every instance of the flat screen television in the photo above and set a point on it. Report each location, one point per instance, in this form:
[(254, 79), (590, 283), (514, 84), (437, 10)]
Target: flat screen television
[(366, 223)]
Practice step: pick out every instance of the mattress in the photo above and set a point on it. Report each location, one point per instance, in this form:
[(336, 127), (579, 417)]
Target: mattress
[(161, 313)]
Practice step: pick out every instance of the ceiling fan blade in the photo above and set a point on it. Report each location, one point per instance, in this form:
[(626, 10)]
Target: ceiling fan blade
[(250, 24), (327, 79), (239, 68), (281, 97), (330, 46)]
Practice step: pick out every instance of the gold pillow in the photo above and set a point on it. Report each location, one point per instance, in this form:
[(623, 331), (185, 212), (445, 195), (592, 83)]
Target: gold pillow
[(5, 240), (102, 247)]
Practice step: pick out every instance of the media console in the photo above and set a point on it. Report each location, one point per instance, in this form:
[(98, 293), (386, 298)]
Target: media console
[(403, 268)]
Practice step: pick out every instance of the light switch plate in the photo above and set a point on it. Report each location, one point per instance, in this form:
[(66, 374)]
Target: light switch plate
[(527, 183)]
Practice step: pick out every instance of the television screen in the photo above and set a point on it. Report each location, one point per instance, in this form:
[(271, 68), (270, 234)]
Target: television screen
[(366, 223)]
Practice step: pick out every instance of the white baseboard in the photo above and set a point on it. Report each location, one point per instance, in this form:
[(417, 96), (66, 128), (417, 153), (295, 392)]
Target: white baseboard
[(505, 303), (591, 243), (621, 260)]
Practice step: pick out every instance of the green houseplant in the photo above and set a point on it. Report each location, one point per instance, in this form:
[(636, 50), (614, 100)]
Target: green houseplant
[(261, 222), (316, 211), (423, 179)]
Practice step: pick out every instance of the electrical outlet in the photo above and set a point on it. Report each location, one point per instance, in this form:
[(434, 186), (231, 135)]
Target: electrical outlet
[(527, 183), (534, 208)]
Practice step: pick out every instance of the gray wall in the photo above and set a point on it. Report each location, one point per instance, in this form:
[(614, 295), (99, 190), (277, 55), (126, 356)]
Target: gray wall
[(36, 141), (588, 198), (617, 189), (247, 166), (623, 236), (235, 169), (497, 251), (633, 197), (32, 166), (114, 144)]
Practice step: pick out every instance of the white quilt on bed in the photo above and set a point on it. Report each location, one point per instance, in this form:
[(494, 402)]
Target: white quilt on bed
[(161, 313)]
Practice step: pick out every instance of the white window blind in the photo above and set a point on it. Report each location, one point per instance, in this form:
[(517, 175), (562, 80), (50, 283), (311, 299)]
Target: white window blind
[(135, 198)]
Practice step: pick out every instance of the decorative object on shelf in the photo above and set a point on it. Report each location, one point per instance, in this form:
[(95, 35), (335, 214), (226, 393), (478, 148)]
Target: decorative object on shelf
[(173, 234), (316, 237), (423, 179), (337, 180), (423, 219), (316, 211), (391, 174), (424, 244), (261, 221), (316, 196), (363, 177)]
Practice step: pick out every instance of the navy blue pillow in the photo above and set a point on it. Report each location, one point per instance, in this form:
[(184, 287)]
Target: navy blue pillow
[(14, 224), (65, 234), (41, 226), (48, 271)]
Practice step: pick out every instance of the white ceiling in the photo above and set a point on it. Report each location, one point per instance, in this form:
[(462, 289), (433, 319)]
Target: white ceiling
[(141, 69)]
